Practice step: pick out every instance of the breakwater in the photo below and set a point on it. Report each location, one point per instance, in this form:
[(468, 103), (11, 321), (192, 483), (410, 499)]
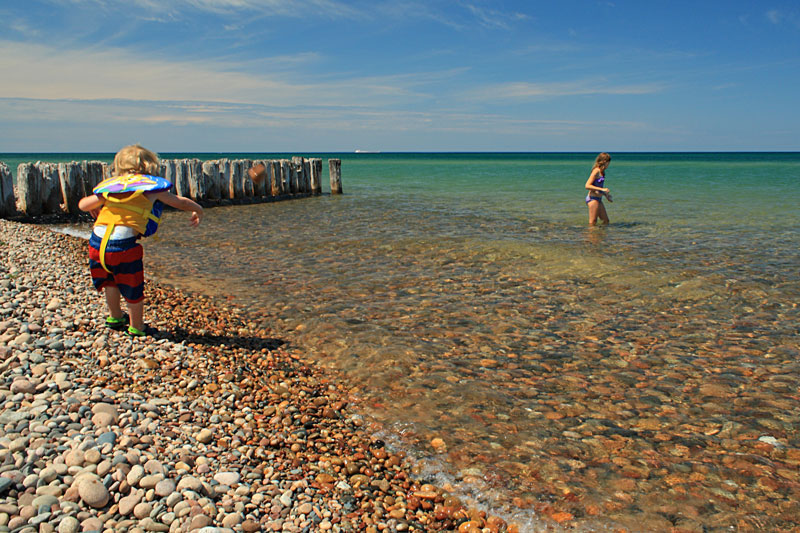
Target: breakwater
[(44, 188)]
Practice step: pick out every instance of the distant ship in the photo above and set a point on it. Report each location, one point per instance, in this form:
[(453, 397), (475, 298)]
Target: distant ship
[(367, 152)]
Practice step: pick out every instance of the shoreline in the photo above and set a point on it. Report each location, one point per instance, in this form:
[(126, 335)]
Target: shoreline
[(211, 423)]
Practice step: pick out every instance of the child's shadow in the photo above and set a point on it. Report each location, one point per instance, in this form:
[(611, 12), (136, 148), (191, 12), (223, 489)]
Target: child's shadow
[(179, 334)]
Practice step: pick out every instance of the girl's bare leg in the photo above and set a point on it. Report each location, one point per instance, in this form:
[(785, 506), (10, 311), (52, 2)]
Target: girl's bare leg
[(593, 211), (601, 212)]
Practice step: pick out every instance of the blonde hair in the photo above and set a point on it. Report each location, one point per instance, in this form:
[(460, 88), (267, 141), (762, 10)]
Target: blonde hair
[(602, 161), (134, 159)]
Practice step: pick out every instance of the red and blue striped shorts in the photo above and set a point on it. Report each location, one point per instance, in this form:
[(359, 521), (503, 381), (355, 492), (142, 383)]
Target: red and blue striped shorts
[(124, 259)]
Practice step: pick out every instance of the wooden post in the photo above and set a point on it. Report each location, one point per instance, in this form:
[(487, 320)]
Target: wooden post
[(298, 174), (292, 177), (28, 188), (245, 184), (85, 188), (7, 201), (223, 177), (335, 166), (274, 178), (211, 177), (182, 187), (237, 178), (94, 175), (197, 182), (69, 177), (51, 188), (307, 176), (315, 171), (194, 187), (286, 176), (168, 172)]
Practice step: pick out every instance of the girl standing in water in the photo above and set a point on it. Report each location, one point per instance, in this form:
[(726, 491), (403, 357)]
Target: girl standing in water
[(594, 200)]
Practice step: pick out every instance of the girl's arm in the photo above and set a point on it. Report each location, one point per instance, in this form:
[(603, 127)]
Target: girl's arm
[(590, 182), (180, 202)]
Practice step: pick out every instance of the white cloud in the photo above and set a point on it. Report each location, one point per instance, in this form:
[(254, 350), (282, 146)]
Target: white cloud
[(173, 8), (779, 17), (220, 116), (494, 19), (774, 16), (49, 73), (538, 91), (39, 71)]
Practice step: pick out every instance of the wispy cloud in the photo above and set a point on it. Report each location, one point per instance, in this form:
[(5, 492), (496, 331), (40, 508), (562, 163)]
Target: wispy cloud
[(774, 16), (538, 91), (90, 74), (779, 17), (174, 8), (493, 18), (222, 116)]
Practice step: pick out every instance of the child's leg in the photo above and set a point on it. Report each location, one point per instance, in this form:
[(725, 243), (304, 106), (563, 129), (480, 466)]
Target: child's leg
[(601, 212), (136, 312), (113, 301), (593, 210)]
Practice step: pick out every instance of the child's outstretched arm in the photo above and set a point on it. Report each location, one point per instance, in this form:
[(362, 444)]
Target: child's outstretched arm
[(182, 203), (91, 203)]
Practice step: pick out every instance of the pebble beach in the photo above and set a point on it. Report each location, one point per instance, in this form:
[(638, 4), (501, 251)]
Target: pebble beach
[(208, 425)]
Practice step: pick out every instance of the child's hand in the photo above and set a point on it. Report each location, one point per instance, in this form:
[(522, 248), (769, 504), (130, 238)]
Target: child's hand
[(95, 213), (195, 219)]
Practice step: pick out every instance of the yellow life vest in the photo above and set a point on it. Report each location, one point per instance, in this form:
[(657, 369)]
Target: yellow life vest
[(134, 211)]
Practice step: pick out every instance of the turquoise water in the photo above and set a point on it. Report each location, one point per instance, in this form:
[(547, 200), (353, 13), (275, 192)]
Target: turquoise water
[(595, 371)]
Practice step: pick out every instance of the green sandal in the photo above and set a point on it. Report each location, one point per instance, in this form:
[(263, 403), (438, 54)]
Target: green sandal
[(133, 332), (117, 323)]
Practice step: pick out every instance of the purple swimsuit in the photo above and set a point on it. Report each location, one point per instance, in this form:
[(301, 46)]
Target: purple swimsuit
[(598, 182)]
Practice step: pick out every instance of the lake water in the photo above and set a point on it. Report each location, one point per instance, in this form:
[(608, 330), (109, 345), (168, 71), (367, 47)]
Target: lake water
[(644, 374)]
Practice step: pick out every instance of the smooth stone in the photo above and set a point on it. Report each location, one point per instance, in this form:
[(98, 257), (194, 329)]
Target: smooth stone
[(92, 524), (164, 488), (151, 525), (108, 437), (232, 520), (190, 483), (135, 475), (204, 436), (154, 467), (92, 456), (149, 482), (103, 420), (142, 510), (46, 500), (48, 474), (128, 503), (94, 494), (227, 478), (68, 524), (200, 521), (23, 386), (74, 458)]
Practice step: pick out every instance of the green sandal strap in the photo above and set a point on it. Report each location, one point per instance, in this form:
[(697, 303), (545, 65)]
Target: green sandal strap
[(133, 332)]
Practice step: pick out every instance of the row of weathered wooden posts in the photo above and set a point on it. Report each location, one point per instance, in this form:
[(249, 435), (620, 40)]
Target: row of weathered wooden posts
[(55, 188)]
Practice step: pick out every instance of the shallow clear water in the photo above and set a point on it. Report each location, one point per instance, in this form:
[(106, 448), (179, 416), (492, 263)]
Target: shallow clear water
[(595, 371)]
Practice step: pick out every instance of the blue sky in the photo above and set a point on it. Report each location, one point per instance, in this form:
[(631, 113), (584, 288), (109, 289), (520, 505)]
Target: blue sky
[(401, 75)]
